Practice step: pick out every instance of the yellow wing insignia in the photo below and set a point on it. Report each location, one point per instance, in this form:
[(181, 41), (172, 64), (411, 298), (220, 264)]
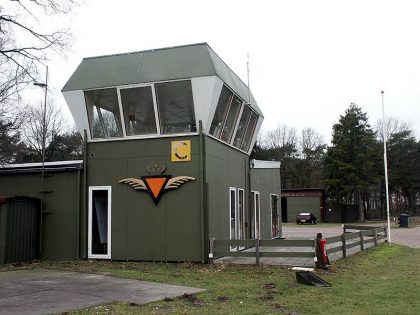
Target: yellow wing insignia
[(136, 183), (177, 181)]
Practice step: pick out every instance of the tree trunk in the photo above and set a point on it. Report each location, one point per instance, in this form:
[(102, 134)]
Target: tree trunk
[(361, 207)]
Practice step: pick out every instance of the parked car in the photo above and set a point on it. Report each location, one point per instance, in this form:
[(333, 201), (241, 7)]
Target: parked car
[(305, 217)]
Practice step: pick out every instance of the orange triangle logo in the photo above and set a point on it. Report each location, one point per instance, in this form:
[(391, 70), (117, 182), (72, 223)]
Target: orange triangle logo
[(155, 185)]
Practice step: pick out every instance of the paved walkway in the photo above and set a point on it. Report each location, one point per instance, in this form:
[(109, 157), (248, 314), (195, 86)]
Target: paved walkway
[(42, 291), (406, 236)]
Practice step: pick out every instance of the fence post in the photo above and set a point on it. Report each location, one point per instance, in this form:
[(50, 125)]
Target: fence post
[(257, 251), (343, 240), (375, 237), (362, 244)]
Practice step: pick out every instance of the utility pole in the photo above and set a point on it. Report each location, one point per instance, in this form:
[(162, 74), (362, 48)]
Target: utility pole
[(44, 131)]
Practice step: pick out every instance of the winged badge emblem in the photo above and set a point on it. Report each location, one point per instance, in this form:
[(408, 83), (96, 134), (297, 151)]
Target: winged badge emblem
[(157, 185)]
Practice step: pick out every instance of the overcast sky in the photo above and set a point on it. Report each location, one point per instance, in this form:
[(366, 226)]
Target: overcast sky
[(309, 59)]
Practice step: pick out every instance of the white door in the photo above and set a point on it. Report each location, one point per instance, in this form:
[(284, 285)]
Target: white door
[(255, 215)]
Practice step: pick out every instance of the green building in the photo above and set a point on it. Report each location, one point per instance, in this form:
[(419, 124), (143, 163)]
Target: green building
[(168, 135)]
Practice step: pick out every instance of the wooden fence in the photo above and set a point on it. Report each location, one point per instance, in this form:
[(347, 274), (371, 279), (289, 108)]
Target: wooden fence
[(282, 248), (365, 235), (271, 248)]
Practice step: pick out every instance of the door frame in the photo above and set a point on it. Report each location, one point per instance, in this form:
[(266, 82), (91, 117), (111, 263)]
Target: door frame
[(278, 215), (90, 216), (254, 208)]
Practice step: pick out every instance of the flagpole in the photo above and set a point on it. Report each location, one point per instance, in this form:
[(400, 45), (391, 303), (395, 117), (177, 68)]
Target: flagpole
[(386, 171)]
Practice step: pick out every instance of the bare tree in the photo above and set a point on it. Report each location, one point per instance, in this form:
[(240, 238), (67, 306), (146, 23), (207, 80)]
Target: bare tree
[(310, 142), (24, 45), (284, 139), (33, 127), (393, 125)]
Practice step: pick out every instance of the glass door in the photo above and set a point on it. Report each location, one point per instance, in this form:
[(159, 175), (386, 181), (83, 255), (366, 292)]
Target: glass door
[(274, 216), (99, 224), (255, 215)]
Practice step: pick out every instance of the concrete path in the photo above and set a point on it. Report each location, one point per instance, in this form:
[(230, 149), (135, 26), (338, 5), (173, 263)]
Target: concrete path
[(406, 236), (42, 291)]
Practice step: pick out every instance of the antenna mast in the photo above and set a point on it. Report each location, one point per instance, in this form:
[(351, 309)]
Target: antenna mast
[(247, 71)]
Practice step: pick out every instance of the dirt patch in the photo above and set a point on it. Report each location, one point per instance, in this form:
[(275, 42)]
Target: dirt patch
[(192, 299), (222, 298), (162, 309), (269, 286)]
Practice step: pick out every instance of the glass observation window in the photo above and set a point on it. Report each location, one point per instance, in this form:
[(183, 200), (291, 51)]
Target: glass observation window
[(226, 115), (138, 111), (103, 112), (176, 107), (250, 129), (231, 119), (221, 112), (243, 123)]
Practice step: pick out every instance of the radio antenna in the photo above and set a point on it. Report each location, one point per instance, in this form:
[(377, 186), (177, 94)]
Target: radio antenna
[(247, 71)]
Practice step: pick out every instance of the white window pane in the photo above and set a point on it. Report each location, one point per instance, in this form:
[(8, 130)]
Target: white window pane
[(231, 119), (97, 128), (249, 132), (103, 112), (243, 123), (138, 109), (221, 112), (176, 107)]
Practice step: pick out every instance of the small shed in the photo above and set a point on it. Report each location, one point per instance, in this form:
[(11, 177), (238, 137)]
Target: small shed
[(294, 201)]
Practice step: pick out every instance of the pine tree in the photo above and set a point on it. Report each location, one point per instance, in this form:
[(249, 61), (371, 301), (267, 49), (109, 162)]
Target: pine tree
[(353, 160)]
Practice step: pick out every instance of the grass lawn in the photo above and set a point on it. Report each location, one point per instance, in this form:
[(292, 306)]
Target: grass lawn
[(381, 281)]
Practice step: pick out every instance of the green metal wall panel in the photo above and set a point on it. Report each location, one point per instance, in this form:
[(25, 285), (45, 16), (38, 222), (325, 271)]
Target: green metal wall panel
[(267, 182), (296, 205), (3, 228), (141, 229), (59, 219), (225, 167)]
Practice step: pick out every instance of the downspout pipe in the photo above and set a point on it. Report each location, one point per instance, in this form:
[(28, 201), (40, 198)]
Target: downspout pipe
[(203, 197), (82, 208), (78, 215)]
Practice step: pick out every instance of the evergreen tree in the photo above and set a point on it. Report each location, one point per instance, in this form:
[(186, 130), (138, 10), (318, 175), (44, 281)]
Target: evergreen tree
[(65, 147), (10, 143), (353, 161), (404, 170)]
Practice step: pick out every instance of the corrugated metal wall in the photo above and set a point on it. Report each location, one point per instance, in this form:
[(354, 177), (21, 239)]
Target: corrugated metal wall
[(296, 205), (19, 230)]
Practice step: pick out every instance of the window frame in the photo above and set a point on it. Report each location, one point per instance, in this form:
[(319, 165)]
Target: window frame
[(236, 125), (233, 189), (271, 217), (98, 112), (241, 225), (90, 218), (124, 135), (154, 110), (254, 208)]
